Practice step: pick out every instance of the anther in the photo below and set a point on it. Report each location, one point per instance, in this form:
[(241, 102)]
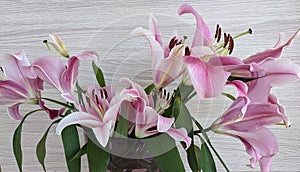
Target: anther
[(105, 94), (97, 100), (1, 69), (45, 41), (219, 34), (172, 43), (165, 92), (226, 37), (101, 94), (187, 51), (231, 45), (217, 29), (168, 95)]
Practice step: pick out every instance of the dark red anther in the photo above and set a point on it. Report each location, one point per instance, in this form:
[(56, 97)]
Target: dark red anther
[(226, 38), (97, 100), (1, 69), (172, 43), (217, 30), (219, 34), (187, 51), (231, 45), (105, 94), (164, 95)]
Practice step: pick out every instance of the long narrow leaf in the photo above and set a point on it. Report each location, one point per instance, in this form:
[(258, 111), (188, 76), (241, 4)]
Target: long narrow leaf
[(97, 157), (99, 75), (165, 153), (206, 160), (17, 148), (80, 153), (41, 148), (71, 144)]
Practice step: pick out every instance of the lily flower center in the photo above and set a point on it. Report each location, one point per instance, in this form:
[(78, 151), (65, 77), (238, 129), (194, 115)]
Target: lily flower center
[(162, 100), (98, 102), (226, 46)]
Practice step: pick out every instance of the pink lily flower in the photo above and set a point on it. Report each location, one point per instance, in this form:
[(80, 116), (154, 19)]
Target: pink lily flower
[(19, 87), (144, 117), (260, 143), (96, 113), (166, 64), (62, 77)]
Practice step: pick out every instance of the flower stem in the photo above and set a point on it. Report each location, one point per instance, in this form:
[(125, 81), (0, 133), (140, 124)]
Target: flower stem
[(58, 102), (203, 131)]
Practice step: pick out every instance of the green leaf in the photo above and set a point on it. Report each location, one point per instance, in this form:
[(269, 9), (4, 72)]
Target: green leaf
[(79, 92), (71, 144), (97, 157), (192, 157), (17, 148), (168, 161), (99, 75), (149, 88), (41, 148), (206, 160), (122, 125), (80, 153), (185, 91), (184, 119), (197, 153)]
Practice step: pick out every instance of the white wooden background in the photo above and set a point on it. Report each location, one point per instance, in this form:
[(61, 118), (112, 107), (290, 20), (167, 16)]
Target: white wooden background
[(105, 25)]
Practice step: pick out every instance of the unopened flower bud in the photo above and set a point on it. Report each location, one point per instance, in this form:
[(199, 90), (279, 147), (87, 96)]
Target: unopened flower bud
[(58, 44)]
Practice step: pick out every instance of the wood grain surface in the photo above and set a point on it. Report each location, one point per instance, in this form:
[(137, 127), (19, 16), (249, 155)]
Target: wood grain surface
[(104, 26)]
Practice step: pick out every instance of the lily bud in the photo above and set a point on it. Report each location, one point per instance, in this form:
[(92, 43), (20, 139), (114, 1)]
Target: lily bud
[(58, 44)]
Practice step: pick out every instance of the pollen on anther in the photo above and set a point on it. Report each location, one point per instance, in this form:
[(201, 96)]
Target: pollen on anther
[(219, 34), (217, 29)]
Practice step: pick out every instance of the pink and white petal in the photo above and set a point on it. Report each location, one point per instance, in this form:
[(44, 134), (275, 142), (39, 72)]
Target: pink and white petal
[(14, 112), (49, 69), (273, 100), (258, 115), (88, 55), (102, 132), (207, 80), (69, 76), (137, 87), (81, 118), (69, 98), (12, 68), (241, 87), (201, 51), (225, 61), (13, 90), (157, 52), (259, 90), (154, 29), (180, 134), (164, 124), (203, 34), (260, 144), (281, 71), (273, 53), (170, 68), (279, 41)]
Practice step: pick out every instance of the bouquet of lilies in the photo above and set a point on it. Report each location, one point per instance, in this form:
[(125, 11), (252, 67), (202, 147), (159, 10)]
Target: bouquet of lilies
[(150, 121)]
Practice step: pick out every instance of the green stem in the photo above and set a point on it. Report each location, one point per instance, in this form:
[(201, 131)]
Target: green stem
[(203, 131), (190, 97), (219, 157), (59, 103)]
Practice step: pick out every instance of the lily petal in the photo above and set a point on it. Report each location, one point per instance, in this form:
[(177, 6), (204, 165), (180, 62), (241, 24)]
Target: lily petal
[(49, 69), (203, 34), (157, 52), (207, 80), (154, 29), (164, 124), (102, 133), (180, 134), (14, 112), (281, 71), (81, 118), (274, 52), (69, 76)]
